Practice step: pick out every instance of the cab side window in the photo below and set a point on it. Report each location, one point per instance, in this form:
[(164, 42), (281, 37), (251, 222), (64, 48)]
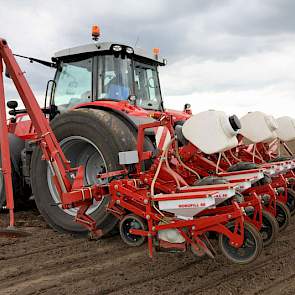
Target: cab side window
[(73, 84)]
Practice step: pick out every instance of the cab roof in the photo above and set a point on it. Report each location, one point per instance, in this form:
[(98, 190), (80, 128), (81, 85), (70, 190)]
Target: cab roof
[(100, 47)]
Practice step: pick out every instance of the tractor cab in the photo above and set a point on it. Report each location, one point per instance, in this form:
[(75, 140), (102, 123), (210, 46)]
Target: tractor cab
[(106, 71)]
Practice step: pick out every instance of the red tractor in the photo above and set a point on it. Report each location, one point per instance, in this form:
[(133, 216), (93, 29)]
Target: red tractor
[(113, 88)]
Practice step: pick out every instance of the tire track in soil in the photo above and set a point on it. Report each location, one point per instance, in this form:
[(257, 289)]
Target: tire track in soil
[(119, 263), (211, 273), (64, 272), (57, 259), (143, 258), (187, 280), (283, 286), (140, 281), (251, 280), (256, 276), (65, 265), (261, 263)]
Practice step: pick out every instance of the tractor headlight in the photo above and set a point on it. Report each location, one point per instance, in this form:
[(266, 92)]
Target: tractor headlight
[(129, 50), (117, 48)]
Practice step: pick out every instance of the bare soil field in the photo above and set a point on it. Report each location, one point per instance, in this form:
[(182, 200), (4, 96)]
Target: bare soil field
[(48, 262)]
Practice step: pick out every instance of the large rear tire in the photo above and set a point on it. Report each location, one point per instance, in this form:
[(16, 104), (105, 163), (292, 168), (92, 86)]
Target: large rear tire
[(88, 137), (21, 190)]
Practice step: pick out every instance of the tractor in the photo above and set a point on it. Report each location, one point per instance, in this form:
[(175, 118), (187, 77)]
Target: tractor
[(113, 88)]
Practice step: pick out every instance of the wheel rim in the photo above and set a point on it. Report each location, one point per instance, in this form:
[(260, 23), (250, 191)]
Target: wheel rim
[(128, 224), (80, 151), (246, 251)]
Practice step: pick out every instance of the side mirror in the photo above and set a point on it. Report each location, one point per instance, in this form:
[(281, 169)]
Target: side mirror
[(12, 104)]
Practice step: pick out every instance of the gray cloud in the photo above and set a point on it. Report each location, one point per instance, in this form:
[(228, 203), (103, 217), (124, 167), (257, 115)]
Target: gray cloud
[(199, 30)]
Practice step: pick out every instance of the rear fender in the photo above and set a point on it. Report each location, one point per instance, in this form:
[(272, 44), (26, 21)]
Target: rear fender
[(133, 122)]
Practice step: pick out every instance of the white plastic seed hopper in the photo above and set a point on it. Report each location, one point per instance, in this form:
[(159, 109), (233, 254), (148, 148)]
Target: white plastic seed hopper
[(286, 128), (258, 127), (218, 136), (210, 131)]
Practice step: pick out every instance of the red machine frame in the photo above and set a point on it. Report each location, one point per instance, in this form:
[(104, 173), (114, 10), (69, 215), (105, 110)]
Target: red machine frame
[(126, 194)]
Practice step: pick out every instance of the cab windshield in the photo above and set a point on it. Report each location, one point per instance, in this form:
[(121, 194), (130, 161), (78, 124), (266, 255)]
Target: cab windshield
[(114, 78), (118, 78), (107, 77)]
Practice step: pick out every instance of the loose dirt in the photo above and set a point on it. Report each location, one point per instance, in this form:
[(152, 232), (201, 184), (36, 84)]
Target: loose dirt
[(48, 262)]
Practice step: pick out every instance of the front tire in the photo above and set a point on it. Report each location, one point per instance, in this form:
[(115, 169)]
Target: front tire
[(132, 221)]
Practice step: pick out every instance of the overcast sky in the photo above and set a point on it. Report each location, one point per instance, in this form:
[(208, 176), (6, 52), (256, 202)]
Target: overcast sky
[(231, 55)]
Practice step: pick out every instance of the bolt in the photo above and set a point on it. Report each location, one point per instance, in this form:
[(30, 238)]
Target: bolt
[(153, 228), (147, 217), (145, 180), (149, 235), (229, 216), (145, 201), (193, 227), (117, 201), (116, 186)]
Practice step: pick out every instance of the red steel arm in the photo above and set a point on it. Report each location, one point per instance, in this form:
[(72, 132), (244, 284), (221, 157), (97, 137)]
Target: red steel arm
[(70, 193), (5, 155)]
